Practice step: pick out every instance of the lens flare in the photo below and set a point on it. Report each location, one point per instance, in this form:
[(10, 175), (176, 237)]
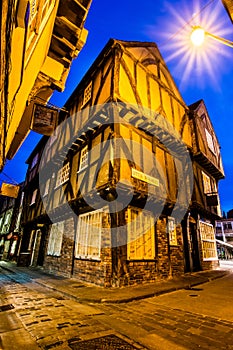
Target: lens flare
[(193, 64)]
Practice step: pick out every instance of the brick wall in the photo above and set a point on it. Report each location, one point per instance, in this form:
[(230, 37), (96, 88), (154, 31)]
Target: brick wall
[(97, 272), (210, 265), (177, 254), (62, 265), (169, 261)]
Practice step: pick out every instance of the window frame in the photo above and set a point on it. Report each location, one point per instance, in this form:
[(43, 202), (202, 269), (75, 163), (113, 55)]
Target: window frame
[(84, 158), (55, 239), (171, 231), (87, 94), (34, 194), (36, 25), (208, 242), (210, 141), (136, 246), (85, 232), (206, 180), (63, 175), (227, 225), (46, 188)]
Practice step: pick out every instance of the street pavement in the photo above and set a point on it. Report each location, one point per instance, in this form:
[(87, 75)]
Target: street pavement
[(41, 311), (84, 292)]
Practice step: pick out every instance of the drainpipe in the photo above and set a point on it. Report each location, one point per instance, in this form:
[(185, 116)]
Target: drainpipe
[(199, 241), (189, 245), (34, 247)]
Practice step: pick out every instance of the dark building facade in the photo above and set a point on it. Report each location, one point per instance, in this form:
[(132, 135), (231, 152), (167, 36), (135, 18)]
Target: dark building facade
[(10, 229), (118, 194)]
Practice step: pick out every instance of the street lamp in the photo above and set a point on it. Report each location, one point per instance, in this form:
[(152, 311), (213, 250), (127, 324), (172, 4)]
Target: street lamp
[(198, 36)]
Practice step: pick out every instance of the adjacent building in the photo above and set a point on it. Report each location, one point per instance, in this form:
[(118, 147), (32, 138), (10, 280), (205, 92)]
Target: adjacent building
[(224, 236), (39, 40), (10, 228), (126, 190), (207, 170)]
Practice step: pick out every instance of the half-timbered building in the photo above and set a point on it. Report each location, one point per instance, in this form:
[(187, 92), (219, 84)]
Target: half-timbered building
[(205, 205), (10, 230), (114, 188)]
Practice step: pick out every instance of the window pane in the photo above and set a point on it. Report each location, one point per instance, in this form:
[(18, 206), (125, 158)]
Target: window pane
[(55, 239), (208, 243), (63, 175), (83, 158), (89, 235), (209, 140), (206, 183), (87, 94), (140, 235), (171, 229)]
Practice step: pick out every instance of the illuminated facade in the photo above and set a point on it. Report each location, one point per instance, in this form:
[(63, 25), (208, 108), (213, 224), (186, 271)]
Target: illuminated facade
[(224, 236), (229, 8), (10, 229), (109, 198), (39, 40), (205, 205)]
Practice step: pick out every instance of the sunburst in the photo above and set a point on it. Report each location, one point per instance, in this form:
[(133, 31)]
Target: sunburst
[(191, 64)]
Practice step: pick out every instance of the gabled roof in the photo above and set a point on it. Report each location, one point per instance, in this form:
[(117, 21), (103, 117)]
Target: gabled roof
[(195, 105), (130, 45)]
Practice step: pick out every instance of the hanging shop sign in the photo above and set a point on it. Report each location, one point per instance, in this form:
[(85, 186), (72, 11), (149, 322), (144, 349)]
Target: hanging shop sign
[(9, 190), (44, 119)]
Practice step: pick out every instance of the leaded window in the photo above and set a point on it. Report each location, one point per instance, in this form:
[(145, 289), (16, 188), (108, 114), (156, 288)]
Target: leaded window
[(55, 239), (63, 175), (140, 237), (209, 250), (87, 94), (83, 158), (206, 183), (171, 229), (88, 242)]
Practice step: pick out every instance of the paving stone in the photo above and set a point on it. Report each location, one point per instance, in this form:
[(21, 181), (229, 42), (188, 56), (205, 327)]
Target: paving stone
[(53, 320)]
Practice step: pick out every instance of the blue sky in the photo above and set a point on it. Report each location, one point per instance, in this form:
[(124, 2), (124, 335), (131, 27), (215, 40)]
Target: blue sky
[(202, 74)]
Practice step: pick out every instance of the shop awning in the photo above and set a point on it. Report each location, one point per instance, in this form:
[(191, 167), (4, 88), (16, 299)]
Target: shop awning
[(224, 243)]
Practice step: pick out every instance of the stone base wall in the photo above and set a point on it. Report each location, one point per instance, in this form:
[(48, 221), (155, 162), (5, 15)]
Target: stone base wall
[(140, 272), (62, 265), (168, 262), (177, 254), (210, 265), (97, 272)]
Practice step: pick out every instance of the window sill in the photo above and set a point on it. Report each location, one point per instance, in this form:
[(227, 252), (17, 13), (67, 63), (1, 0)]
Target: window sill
[(54, 256), (61, 184), (80, 170), (140, 260), (87, 259)]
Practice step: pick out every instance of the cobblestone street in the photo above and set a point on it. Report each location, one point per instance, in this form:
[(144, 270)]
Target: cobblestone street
[(50, 320), (33, 317)]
